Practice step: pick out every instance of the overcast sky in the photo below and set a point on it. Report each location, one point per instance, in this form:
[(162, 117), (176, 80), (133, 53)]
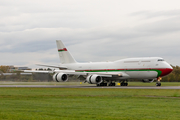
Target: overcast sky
[(92, 30)]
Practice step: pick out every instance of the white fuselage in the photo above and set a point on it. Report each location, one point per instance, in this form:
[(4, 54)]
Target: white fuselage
[(141, 68)]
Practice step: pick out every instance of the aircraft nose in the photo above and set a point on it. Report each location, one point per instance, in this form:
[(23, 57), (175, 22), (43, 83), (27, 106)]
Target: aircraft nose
[(169, 70), (166, 71)]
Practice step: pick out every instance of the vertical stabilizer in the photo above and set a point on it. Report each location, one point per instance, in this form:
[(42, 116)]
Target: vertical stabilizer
[(65, 56)]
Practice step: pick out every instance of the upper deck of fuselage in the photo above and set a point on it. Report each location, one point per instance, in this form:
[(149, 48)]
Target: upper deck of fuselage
[(140, 59), (143, 62)]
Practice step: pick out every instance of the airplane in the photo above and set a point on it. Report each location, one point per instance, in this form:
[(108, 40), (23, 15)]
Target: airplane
[(146, 69)]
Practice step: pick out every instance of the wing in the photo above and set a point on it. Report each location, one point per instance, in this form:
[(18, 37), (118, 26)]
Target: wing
[(73, 72), (102, 74), (37, 71)]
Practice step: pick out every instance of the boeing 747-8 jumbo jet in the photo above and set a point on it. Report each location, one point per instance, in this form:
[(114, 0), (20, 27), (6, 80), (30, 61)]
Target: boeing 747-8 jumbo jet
[(146, 69)]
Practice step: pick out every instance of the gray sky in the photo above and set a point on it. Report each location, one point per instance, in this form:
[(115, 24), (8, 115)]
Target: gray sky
[(92, 30)]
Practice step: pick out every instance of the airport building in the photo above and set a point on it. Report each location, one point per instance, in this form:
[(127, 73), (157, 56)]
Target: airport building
[(12, 68)]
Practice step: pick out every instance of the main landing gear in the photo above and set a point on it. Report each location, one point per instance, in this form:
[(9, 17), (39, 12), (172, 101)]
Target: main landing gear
[(158, 83), (124, 83), (106, 84), (101, 84), (112, 84)]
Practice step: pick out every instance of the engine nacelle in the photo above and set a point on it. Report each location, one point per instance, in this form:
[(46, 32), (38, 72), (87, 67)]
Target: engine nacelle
[(147, 80), (60, 77), (94, 79)]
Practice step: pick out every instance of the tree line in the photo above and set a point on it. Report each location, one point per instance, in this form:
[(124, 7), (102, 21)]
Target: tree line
[(4, 69), (174, 76)]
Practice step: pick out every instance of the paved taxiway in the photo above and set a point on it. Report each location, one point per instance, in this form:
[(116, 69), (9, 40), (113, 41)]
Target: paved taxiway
[(68, 86)]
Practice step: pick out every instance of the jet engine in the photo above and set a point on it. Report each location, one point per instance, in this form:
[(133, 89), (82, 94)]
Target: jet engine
[(94, 79), (147, 80), (60, 77)]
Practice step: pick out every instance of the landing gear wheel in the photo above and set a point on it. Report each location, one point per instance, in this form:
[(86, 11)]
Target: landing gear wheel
[(112, 84), (101, 84), (124, 83), (158, 84)]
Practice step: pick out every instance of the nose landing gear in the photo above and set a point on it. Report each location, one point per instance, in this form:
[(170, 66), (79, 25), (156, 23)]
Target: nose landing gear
[(158, 83)]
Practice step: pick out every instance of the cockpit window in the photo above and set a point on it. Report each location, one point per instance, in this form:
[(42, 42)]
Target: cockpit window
[(160, 59)]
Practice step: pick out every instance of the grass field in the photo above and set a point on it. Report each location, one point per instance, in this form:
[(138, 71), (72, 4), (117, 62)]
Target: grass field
[(88, 103)]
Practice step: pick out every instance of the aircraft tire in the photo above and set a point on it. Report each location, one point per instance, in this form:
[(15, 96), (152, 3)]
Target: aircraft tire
[(105, 84), (101, 84), (158, 84), (110, 84), (122, 84)]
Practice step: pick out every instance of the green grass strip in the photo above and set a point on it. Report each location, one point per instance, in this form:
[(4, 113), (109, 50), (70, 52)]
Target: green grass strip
[(88, 104)]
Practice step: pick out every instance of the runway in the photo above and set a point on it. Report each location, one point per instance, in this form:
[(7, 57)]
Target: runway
[(102, 87)]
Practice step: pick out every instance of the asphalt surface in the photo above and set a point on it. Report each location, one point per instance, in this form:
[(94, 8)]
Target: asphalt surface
[(106, 87)]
